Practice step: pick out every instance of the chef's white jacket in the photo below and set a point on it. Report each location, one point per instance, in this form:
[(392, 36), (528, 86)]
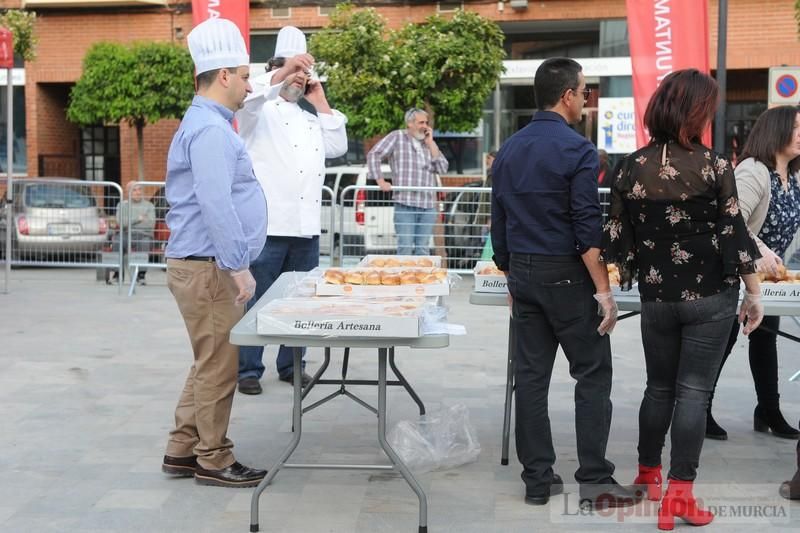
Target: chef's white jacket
[(288, 147)]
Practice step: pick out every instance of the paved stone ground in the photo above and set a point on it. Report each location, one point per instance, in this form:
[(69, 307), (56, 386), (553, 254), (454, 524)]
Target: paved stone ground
[(89, 378)]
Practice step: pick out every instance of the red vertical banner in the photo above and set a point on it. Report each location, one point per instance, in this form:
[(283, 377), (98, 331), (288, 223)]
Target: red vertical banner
[(664, 35), (237, 11)]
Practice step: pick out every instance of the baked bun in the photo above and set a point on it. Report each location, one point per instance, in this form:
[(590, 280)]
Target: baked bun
[(427, 278), (440, 273), (425, 262), (378, 262), (388, 278), (392, 262), (373, 278), (408, 278), (354, 278), (335, 277), (408, 262)]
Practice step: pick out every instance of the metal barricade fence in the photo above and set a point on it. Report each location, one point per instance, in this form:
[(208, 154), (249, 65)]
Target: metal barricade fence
[(327, 237), (141, 229), (141, 225), (457, 229), (58, 223)]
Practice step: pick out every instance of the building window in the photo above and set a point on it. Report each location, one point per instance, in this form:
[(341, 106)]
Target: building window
[(448, 7), (20, 154), (325, 11), (614, 38), (281, 12)]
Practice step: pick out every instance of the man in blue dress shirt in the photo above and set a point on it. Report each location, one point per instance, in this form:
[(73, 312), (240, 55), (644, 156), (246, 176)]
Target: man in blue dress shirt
[(546, 233), (217, 218)]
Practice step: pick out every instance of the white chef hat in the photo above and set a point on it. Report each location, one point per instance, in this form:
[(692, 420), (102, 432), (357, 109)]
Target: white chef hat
[(217, 43), (291, 42)]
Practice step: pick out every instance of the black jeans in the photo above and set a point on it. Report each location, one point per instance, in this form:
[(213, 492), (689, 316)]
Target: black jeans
[(763, 353), (683, 347), (553, 306)]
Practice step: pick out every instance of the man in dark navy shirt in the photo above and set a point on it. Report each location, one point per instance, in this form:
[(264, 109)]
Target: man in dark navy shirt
[(546, 233)]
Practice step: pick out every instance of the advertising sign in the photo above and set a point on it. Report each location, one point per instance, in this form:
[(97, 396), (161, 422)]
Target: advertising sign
[(616, 125)]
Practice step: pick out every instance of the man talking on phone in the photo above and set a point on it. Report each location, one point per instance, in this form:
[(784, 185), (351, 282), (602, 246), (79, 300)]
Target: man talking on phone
[(288, 146), (415, 160)]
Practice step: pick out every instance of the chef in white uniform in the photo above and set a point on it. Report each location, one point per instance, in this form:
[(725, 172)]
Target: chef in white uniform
[(288, 144)]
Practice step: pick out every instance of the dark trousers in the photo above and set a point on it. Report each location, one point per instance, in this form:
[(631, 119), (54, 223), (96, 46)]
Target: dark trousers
[(280, 254), (683, 346), (763, 353), (553, 306)]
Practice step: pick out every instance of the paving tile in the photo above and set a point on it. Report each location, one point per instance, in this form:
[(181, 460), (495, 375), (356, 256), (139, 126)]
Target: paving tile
[(85, 408)]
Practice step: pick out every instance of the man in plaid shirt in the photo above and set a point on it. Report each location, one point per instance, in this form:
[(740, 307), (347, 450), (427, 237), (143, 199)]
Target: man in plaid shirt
[(415, 160)]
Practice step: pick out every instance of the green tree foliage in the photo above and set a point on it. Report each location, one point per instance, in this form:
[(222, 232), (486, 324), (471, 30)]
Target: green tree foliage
[(137, 84), (447, 66), (21, 25)]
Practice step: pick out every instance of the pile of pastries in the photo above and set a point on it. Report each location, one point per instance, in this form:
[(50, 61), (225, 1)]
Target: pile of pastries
[(490, 270), (394, 262), (613, 274), (783, 276), (417, 276)]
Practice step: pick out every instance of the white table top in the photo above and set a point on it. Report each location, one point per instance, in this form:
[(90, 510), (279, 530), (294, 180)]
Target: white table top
[(244, 332)]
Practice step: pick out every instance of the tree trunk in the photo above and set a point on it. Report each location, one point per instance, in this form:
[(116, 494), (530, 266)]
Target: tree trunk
[(140, 147)]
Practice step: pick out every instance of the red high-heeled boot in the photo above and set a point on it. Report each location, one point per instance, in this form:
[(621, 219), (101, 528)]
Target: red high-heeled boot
[(650, 476), (679, 501)]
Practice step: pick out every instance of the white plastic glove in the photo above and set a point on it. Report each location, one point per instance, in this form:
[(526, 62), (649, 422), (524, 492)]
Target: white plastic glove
[(607, 309), (753, 310), (769, 262), (246, 284)]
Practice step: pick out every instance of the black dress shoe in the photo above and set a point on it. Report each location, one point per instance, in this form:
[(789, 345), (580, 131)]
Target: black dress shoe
[(250, 386), (607, 495), (556, 487), (305, 380), (236, 475), (179, 466)]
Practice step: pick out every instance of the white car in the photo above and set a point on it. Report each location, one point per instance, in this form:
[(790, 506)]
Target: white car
[(367, 217)]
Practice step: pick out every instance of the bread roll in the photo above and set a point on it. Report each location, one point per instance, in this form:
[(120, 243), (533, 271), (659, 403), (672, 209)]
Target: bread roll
[(388, 278), (373, 278), (334, 276), (427, 278), (440, 273), (354, 278), (408, 278), (425, 262), (408, 262), (378, 262), (392, 262)]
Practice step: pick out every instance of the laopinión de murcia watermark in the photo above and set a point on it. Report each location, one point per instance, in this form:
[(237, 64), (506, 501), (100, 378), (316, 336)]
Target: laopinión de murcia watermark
[(761, 505)]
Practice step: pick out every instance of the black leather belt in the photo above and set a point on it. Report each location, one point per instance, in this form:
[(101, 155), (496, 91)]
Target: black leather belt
[(206, 258)]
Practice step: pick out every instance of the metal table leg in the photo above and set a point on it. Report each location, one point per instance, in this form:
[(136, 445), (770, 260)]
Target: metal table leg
[(396, 461), (404, 382), (297, 417), (509, 393)]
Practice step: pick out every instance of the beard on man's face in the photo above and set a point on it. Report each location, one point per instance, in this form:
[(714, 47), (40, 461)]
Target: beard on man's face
[(291, 92)]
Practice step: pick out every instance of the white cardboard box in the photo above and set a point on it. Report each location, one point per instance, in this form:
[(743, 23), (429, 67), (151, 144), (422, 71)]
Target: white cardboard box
[(435, 259), (331, 325), (488, 283), (784, 292), (440, 288)]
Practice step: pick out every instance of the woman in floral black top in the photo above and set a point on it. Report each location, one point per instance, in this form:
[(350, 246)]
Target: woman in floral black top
[(675, 227)]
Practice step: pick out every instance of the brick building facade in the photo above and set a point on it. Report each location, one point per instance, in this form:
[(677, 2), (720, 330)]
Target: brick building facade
[(760, 34)]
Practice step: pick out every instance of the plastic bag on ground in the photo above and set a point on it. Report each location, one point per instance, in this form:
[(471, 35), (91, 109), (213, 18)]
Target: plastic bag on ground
[(437, 441)]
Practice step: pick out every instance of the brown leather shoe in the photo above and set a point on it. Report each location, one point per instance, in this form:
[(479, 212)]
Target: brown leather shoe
[(179, 466), (236, 475)]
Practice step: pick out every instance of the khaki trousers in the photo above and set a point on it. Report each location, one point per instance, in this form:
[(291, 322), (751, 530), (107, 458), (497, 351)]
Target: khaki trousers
[(205, 297)]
